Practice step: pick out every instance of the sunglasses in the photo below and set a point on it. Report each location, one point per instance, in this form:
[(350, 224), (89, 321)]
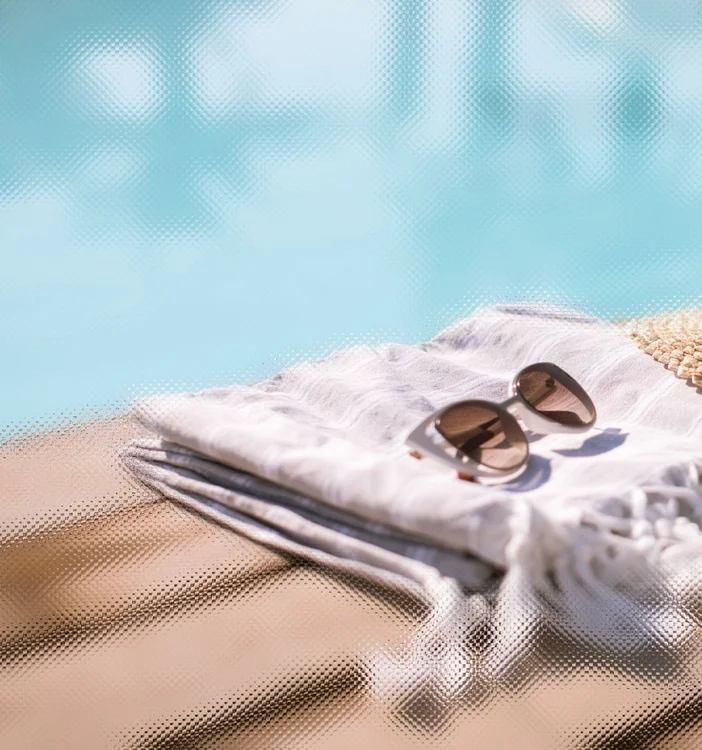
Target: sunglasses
[(483, 441)]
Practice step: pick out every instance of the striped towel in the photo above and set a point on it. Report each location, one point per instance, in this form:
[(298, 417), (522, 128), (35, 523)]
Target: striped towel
[(313, 461)]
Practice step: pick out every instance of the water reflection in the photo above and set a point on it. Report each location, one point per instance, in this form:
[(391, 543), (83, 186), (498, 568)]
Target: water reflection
[(421, 157)]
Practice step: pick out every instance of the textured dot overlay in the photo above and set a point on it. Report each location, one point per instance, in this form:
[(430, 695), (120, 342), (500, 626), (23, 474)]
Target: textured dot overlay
[(195, 193)]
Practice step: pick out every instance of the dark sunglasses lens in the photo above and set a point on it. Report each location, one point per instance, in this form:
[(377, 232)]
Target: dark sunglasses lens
[(556, 396), (485, 435)]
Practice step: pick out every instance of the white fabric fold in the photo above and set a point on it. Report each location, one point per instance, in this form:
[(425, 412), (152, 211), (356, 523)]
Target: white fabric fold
[(592, 513)]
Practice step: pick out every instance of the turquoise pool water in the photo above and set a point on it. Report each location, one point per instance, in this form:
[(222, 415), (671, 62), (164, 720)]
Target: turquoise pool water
[(193, 193)]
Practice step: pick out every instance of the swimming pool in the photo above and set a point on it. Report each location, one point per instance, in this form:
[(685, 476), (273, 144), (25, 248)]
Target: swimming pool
[(193, 193)]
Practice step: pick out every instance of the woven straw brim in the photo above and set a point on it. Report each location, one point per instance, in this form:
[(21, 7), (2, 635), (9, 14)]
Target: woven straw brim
[(674, 340)]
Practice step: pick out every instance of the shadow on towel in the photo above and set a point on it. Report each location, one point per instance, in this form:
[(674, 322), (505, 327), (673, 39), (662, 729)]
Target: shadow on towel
[(539, 469), (607, 440), (536, 474)]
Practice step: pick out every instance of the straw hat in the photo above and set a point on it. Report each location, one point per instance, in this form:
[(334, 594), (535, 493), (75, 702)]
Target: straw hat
[(674, 340)]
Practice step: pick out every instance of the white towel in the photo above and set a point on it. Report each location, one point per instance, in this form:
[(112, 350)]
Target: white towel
[(580, 530)]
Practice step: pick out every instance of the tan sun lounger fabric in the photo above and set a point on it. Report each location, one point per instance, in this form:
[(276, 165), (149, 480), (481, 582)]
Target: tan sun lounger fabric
[(127, 621)]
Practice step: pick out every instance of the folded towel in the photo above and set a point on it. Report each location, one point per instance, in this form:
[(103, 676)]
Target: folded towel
[(231, 493), (313, 460)]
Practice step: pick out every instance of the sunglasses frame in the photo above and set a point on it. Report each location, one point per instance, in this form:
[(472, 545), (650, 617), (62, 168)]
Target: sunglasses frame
[(516, 409)]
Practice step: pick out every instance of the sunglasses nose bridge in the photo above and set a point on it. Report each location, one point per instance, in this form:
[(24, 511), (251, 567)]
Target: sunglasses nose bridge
[(526, 419), (512, 406)]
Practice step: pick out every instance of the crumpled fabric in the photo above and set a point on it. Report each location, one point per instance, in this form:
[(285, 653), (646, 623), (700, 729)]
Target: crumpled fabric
[(313, 460)]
